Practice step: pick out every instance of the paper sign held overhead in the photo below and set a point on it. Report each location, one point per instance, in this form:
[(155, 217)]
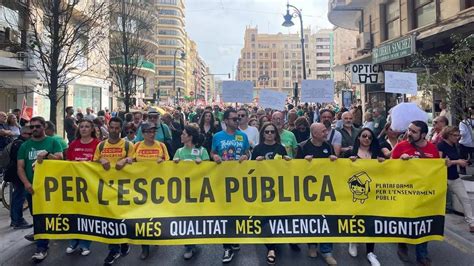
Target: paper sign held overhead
[(272, 99), (400, 82), (237, 91), (317, 91)]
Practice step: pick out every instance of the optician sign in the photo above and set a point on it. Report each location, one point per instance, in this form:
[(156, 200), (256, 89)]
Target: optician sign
[(366, 74), (394, 50)]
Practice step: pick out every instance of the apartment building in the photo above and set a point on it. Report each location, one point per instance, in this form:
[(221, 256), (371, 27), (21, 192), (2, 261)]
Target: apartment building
[(172, 42), (390, 32), (274, 61), (21, 74)]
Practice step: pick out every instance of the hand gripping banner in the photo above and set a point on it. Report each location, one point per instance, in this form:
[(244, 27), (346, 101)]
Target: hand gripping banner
[(251, 202)]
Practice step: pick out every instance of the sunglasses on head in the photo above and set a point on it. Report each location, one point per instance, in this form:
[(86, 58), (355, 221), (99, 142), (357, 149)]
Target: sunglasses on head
[(269, 131), (34, 126)]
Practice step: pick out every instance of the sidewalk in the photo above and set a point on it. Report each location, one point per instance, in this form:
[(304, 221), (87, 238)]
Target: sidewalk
[(457, 230)]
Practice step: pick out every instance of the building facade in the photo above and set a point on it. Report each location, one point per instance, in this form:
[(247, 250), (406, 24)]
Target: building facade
[(21, 74), (172, 40), (274, 61), (390, 32)]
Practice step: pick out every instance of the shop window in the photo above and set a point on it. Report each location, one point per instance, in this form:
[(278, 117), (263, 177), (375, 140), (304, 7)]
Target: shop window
[(392, 19), (424, 12), (468, 4)]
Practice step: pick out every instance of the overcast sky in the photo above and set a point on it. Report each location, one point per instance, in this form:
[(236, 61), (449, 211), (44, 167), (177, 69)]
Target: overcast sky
[(218, 26)]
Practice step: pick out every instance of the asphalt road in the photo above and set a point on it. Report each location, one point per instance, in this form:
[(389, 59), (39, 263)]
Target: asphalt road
[(14, 250)]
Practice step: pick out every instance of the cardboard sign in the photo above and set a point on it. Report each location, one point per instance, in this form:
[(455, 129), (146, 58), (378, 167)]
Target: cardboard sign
[(272, 99), (317, 91), (400, 82), (237, 91)]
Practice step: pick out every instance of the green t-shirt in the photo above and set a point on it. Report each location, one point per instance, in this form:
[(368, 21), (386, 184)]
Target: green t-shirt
[(288, 140), (62, 142), (29, 150), (186, 153)]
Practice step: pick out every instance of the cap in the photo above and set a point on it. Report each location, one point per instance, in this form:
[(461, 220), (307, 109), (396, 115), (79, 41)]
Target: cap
[(152, 111), (147, 126)]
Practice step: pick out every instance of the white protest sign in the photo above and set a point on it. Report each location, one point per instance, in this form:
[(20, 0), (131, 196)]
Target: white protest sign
[(366, 74), (272, 99), (237, 91), (317, 91), (400, 82)]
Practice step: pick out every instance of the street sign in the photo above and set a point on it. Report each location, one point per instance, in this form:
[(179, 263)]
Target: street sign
[(366, 74)]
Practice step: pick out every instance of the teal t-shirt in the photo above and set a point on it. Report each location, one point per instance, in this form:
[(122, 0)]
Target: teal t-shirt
[(162, 133), (288, 140), (194, 153), (61, 141), (30, 149)]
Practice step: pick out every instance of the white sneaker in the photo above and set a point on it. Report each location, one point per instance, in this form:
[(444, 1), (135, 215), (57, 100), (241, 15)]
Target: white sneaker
[(373, 259), (85, 251), (353, 249), (70, 250)]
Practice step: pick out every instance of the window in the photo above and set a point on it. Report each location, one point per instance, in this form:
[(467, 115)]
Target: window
[(392, 19), (168, 2), (424, 12), (468, 4), (169, 32), (322, 54), (168, 12), (169, 21)]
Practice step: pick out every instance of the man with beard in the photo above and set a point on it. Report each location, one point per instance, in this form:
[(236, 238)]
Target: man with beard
[(334, 137), (348, 132), (415, 147), (40, 147), (117, 152), (229, 145)]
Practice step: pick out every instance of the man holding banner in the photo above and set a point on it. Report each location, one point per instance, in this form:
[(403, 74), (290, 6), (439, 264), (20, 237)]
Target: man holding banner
[(229, 145), (36, 149), (115, 152), (318, 147), (415, 147)]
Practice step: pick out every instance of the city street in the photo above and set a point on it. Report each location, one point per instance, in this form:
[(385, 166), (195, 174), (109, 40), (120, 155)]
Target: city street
[(456, 249)]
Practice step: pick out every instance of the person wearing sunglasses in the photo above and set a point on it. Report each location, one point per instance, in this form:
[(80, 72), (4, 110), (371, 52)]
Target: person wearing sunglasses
[(268, 148), (447, 149), (366, 146), (38, 148), (251, 132), (227, 145), (130, 132), (82, 149), (317, 146), (149, 150)]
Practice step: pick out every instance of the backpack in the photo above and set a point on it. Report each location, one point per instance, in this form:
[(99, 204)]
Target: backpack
[(5, 155)]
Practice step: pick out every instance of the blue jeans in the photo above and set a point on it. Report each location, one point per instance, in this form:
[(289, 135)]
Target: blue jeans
[(41, 244), (421, 251), (324, 247), (16, 205), (83, 244)]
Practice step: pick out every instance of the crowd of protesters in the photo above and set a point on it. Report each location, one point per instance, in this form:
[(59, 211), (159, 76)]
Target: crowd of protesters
[(223, 134)]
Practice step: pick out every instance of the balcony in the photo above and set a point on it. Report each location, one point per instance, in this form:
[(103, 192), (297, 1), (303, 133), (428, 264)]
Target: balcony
[(346, 13), (18, 61), (143, 66)]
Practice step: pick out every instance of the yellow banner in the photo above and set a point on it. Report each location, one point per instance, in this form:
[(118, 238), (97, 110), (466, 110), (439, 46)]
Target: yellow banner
[(251, 202)]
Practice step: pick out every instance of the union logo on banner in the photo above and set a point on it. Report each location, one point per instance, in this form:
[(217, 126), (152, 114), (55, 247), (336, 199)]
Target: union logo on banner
[(26, 111)]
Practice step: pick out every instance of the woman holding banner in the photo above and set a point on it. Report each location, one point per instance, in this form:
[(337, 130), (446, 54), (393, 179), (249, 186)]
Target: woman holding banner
[(149, 149), (192, 151), (366, 146), (269, 148), (82, 149)]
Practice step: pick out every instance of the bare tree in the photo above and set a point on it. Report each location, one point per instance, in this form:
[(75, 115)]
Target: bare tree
[(63, 33), (131, 37)]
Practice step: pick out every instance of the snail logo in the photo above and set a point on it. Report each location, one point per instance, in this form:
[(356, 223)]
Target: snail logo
[(359, 185)]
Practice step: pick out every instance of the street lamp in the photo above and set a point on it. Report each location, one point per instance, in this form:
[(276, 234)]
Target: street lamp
[(182, 57), (289, 23)]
